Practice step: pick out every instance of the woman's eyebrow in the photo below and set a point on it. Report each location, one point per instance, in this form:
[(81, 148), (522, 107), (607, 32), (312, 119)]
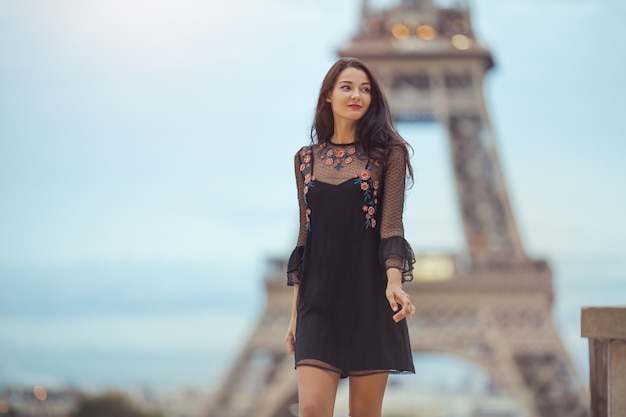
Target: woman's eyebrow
[(350, 82)]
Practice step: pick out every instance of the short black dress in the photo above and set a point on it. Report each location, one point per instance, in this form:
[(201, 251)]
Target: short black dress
[(350, 233)]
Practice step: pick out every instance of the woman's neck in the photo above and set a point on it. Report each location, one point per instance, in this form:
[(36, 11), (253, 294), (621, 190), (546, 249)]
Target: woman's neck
[(344, 132)]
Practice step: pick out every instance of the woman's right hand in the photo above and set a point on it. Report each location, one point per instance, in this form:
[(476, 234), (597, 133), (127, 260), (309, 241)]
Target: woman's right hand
[(291, 335)]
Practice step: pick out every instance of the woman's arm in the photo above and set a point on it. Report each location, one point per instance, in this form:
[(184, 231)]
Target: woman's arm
[(295, 260), (395, 251), (291, 330), (396, 254)]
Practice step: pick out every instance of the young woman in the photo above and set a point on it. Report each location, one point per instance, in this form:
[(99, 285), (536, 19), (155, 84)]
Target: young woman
[(349, 308)]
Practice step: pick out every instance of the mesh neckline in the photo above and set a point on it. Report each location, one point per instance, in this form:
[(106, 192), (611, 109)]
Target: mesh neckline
[(341, 144)]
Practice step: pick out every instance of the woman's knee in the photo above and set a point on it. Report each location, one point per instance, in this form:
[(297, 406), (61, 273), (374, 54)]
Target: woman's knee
[(316, 405), (365, 409), (314, 409)]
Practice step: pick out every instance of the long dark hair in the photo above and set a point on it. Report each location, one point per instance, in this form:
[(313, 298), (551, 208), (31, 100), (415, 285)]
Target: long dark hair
[(375, 131)]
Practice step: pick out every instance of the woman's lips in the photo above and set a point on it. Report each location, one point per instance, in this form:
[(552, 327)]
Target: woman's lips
[(355, 106)]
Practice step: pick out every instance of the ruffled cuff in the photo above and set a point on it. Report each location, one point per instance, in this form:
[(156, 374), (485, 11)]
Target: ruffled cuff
[(294, 266), (395, 252)]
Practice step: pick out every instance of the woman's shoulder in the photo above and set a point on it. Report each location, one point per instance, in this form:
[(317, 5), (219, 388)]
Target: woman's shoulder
[(394, 153), (397, 149), (306, 150)]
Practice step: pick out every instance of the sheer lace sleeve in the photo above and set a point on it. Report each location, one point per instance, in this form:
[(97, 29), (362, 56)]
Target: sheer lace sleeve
[(295, 260), (395, 251)]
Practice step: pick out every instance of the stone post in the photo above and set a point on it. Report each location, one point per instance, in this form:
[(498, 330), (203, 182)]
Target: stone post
[(605, 327)]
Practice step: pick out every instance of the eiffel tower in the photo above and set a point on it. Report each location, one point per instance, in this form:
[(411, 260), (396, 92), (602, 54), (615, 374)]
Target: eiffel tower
[(493, 305)]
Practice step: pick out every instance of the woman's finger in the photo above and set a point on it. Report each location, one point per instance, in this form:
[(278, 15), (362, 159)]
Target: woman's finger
[(402, 313), (406, 299), (408, 309)]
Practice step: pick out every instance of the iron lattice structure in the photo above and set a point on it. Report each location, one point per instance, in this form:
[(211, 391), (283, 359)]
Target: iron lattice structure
[(495, 307)]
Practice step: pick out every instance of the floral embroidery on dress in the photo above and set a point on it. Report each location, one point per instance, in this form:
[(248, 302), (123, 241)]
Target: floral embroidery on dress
[(370, 192), (339, 158), (305, 170)]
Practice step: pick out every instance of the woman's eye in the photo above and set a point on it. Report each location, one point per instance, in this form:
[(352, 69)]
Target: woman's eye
[(365, 90), (345, 87)]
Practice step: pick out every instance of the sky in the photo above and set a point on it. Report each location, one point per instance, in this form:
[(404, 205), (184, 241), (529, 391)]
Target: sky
[(146, 168)]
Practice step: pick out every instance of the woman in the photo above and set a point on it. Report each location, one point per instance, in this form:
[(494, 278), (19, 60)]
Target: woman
[(351, 257)]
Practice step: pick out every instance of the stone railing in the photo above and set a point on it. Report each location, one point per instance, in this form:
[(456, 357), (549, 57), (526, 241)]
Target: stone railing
[(605, 327)]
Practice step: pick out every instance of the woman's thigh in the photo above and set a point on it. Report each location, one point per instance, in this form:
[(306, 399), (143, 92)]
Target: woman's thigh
[(366, 395), (317, 390)]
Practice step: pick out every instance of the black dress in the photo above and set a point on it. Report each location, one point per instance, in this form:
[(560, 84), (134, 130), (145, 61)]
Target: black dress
[(350, 233)]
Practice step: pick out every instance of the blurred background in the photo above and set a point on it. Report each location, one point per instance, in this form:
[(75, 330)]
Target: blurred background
[(146, 172)]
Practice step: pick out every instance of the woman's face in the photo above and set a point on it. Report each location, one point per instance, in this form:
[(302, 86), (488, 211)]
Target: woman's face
[(351, 96)]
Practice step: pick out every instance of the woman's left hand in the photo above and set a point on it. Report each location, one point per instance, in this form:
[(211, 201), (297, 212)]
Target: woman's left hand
[(398, 298)]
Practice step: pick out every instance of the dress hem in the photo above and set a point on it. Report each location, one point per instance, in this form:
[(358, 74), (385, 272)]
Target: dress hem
[(351, 374)]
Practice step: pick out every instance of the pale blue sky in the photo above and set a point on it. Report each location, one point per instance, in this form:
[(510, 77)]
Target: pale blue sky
[(146, 159)]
